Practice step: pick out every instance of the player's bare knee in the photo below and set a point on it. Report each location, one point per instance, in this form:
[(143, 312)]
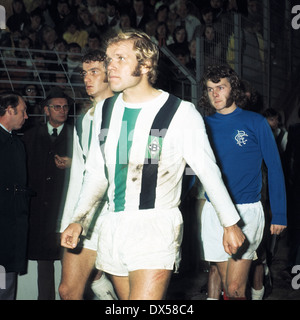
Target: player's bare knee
[(213, 270), (65, 292), (234, 290)]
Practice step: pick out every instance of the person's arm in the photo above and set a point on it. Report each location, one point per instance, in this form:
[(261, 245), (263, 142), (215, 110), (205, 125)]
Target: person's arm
[(75, 182), (200, 157), (276, 181), (93, 189)]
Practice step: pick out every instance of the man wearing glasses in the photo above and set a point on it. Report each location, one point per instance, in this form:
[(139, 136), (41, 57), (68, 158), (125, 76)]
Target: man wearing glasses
[(49, 151)]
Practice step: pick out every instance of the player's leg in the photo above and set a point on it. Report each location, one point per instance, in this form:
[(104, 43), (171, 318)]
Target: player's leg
[(143, 284), (76, 269), (214, 286), (121, 285), (102, 287), (234, 275)]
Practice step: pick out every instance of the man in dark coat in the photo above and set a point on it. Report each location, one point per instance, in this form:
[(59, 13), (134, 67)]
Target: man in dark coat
[(49, 151), (139, 16), (13, 194), (292, 155)]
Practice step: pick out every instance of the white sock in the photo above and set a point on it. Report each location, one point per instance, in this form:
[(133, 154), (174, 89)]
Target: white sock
[(211, 299), (257, 294), (103, 288)]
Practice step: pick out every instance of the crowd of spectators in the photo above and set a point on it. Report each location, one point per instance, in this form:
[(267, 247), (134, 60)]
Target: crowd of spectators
[(66, 29)]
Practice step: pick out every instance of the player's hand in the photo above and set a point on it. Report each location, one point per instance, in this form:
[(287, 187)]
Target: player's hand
[(276, 229), (70, 237), (233, 238)]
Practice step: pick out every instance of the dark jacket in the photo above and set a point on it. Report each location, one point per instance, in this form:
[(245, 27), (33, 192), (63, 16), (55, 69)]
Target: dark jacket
[(13, 203), (50, 184), (292, 156), (142, 24)]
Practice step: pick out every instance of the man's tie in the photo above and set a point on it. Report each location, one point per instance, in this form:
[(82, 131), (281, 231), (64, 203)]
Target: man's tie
[(54, 134)]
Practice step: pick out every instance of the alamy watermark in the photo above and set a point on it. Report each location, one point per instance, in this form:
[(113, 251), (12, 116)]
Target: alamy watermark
[(296, 278), (296, 18), (2, 278), (2, 18)]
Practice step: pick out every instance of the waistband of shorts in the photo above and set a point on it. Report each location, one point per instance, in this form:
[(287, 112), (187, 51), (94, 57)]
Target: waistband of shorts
[(145, 211), (251, 204)]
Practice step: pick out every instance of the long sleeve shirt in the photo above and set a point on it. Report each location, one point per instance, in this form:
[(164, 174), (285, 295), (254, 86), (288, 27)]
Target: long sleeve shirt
[(185, 142), (241, 140)]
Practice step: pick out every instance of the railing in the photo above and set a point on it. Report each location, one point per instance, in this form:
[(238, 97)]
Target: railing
[(20, 68)]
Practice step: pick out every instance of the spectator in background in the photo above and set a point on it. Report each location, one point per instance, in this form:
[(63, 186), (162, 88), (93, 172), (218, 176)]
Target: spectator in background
[(213, 50), (93, 42), (239, 6), (254, 99), (45, 8), (34, 28), (61, 81), (73, 59), (252, 53), (186, 18), (61, 52), (254, 9), (162, 13), (280, 133), (151, 27), (40, 67), (49, 36), (207, 16), (17, 21), (125, 22), (101, 22), (162, 36), (191, 65), (85, 19), (23, 44), (49, 161), (73, 33), (63, 10), (32, 97), (218, 8), (113, 14), (124, 5), (179, 40), (30, 94), (93, 6), (139, 15)]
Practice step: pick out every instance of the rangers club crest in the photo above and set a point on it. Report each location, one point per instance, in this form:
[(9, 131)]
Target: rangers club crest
[(240, 138)]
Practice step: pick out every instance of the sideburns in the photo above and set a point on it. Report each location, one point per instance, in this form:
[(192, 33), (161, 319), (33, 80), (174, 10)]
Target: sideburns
[(137, 71), (230, 100)]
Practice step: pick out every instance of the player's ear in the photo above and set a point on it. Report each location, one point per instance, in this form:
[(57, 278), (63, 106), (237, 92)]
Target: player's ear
[(146, 67), (46, 110)]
